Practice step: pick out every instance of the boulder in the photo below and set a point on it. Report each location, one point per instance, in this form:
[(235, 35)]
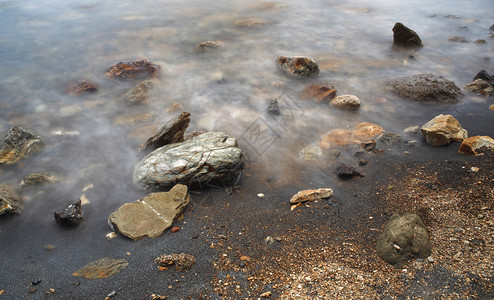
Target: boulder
[(19, 143), (172, 132), (363, 132), (442, 130), (404, 237), (425, 87), (250, 22), (311, 195), (81, 87), (182, 261), (475, 144), (151, 215), (141, 93), (10, 201), (208, 46), (70, 216), (320, 93), (298, 66), (349, 102), (212, 157), (405, 37), (138, 69), (485, 76), (102, 268), (274, 108), (480, 86)]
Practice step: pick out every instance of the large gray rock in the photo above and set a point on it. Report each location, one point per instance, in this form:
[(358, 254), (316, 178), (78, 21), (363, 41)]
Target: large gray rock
[(442, 130), (151, 215), (10, 201), (405, 37), (425, 87), (298, 66), (212, 157), (404, 237), (172, 132), (19, 143)]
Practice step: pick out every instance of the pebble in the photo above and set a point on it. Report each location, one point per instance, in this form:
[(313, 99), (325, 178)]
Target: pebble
[(474, 169), (111, 235), (269, 240), (260, 195), (430, 259), (49, 247)]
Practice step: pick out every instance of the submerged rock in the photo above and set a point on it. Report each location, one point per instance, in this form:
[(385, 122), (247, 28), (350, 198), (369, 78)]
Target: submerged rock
[(19, 143), (38, 179), (349, 102), (480, 86), (475, 144), (212, 157), (480, 42), (151, 215), (273, 107), (102, 268), (425, 87), (182, 261), (209, 45), (457, 39), (442, 130), (172, 132), (485, 76), (70, 216), (81, 87), (298, 66), (141, 93), (311, 152), (138, 69), (10, 200), (363, 132), (403, 238), (320, 93), (192, 134), (405, 37), (389, 138), (311, 195), (251, 22), (346, 172)]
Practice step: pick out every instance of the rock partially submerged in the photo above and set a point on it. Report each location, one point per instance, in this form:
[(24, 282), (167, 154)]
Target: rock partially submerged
[(19, 143), (251, 22), (70, 216), (209, 46), (172, 132), (210, 158), (38, 179), (363, 132), (403, 238), (141, 93), (311, 195), (320, 93), (182, 261), (425, 87), (102, 268), (476, 144), (10, 200), (442, 130), (151, 215), (273, 107), (298, 66), (480, 86), (349, 102), (485, 76), (405, 37), (81, 87), (138, 69)]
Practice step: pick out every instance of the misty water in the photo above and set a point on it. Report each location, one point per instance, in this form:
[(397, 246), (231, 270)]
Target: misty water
[(91, 141)]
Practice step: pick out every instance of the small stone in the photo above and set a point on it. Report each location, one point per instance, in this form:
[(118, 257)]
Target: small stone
[(362, 162), (298, 66), (346, 172), (32, 290), (251, 22), (209, 45), (19, 143), (273, 107), (405, 37), (269, 240), (49, 247), (50, 291), (457, 39), (312, 152), (175, 229), (260, 195), (70, 216), (138, 69), (182, 261), (102, 268), (311, 195), (491, 107), (389, 138), (411, 129), (481, 42), (10, 200), (349, 102), (266, 295), (480, 86), (172, 132), (111, 235), (38, 179), (430, 259), (81, 87), (369, 145)]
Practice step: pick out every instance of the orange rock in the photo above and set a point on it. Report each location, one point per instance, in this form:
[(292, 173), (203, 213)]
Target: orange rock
[(138, 69), (175, 229), (311, 195), (320, 93), (363, 132), (474, 144)]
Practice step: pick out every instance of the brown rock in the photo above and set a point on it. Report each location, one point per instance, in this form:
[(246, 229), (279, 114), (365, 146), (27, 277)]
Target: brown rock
[(442, 130), (320, 93), (102, 268), (19, 143), (193, 134), (138, 69), (81, 87), (474, 145), (349, 102), (172, 132), (405, 37), (141, 93), (174, 107), (311, 195), (363, 132), (480, 86), (298, 66), (175, 229), (182, 261), (251, 22), (10, 201), (209, 45)]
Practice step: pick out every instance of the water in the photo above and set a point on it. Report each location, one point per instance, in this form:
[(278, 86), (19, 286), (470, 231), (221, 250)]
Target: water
[(46, 44)]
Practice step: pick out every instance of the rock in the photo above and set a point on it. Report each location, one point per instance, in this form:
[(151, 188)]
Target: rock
[(442, 130), (491, 35), (369, 145), (362, 162), (404, 237), (485, 76), (349, 102), (320, 93), (151, 215), (182, 261), (475, 144), (81, 87), (298, 66), (311, 152), (172, 132), (102, 268), (492, 27), (311, 195), (141, 93), (405, 37), (138, 69), (38, 179), (480, 86), (425, 87), (346, 172), (389, 138), (193, 134), (273, 107), (210, 158), (491, 107), (209, 45), (411, 129), (70, 216), (10, 200), (174, 107), (480, 42), (363, 132), (19, 143), (250, 22), (457, 39)]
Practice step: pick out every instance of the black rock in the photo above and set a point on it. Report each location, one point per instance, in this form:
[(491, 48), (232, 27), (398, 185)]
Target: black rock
[(405, 37), (273, 107), (70, 216), (485, 76), (346, 172)]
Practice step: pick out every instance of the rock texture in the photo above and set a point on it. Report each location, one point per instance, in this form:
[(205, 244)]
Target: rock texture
[(81, 87), (182, 261), (251, 22), (405, 37), (311, 195), (349, 102), (298, 66), (70, 216), (151, 215), (209, 46), (320, 93), (480, 86), (10, 201), (212, 157), (404, 237), (102, 268), (475, 144), (19, 143), (172, 132), (138, 69), (442, 130), (485, 76), (425, 87), (363, 132), (141, 93)]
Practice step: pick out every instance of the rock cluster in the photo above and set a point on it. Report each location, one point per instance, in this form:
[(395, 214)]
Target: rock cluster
[(442, 130)]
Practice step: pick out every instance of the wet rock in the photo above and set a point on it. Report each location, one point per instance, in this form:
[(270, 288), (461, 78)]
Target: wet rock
[(403, 238), (480, 42), (491, 107), (346, 172), (10, 201), (485, 76), (457, 39), (411, 129), (311, 195), (320, 93), (363, 132), (298, 66), (174, 107), (405, 37), (349, 102), (212, 157), (70, 216), (425, 87), (151, 215), (182, 261), (390, 138), (311, 152), (38, 179), (369, 145), (251, 22), (102, 268), (141, 93), (480, 86), (492, 27), (442, 130), (476, 144), (193, 134), (19, 143), (81, 87), (172, 132), (209, 46), (138, 69), (273, 107)]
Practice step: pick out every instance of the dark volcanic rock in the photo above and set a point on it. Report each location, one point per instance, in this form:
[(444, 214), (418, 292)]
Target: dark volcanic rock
[(172, 132), (141, 93), (19, 143), (81, 87), (138, 69), (425, 87), (298, 66), (212, 157), (273, 107), (346, 172), (320, 93), (405, 37), (404, 237), (102, 268), (70, 216), (485, 76), (182, 261), (10, 201)]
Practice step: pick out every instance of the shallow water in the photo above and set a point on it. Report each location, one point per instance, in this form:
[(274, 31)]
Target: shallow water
[(46, 44)]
